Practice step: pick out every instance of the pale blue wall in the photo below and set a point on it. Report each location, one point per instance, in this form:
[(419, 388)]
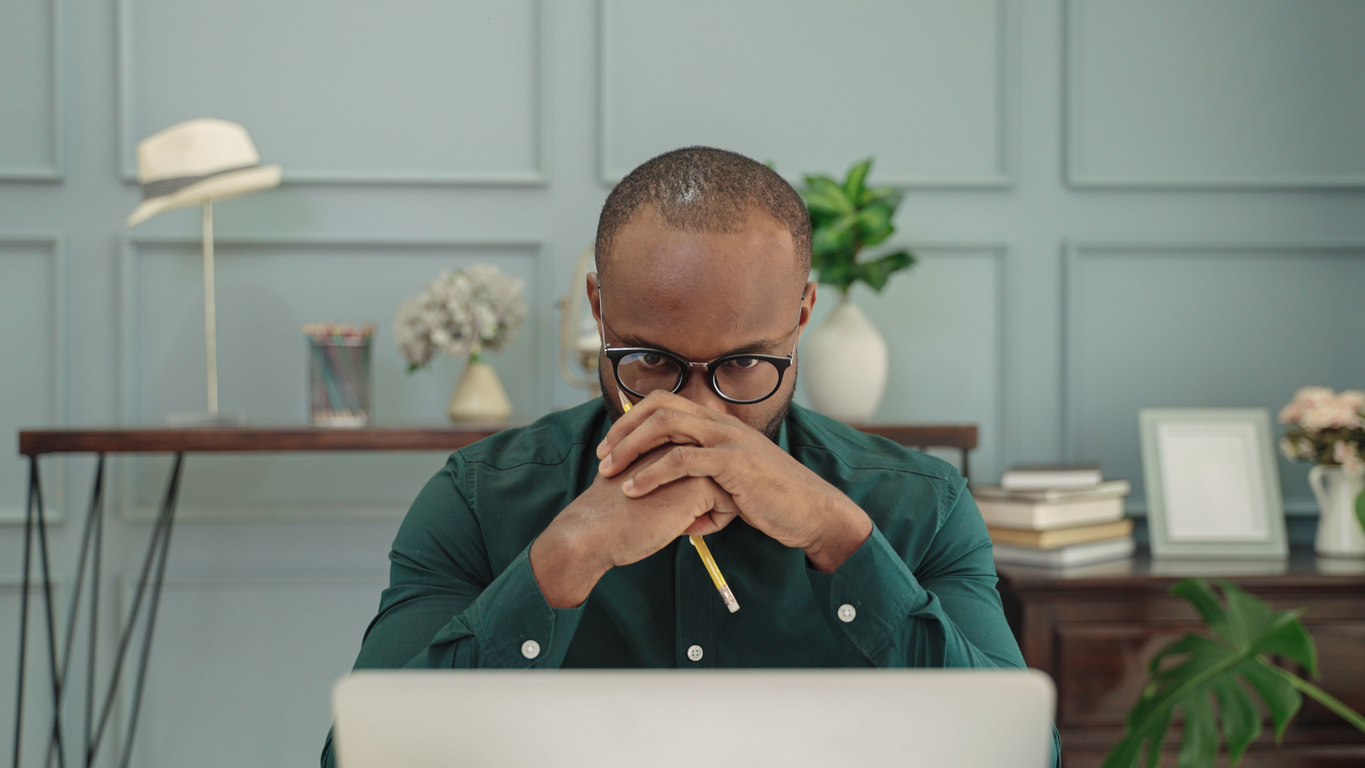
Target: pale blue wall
[(1117, 205)]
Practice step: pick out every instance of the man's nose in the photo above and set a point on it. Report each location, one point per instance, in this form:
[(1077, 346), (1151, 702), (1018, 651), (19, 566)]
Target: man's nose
[(697, 388)]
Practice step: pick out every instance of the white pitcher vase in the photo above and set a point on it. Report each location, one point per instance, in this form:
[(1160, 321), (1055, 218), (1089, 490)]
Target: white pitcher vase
[(844, 364), (479, 398), (1339, 530)]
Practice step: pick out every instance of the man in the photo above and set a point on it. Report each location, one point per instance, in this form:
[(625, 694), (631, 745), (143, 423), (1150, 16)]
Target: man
[(559, 544)]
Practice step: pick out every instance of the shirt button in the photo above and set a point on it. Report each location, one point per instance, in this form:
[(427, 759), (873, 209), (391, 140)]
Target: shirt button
[(530, 649), (694, 653), (847, 612)]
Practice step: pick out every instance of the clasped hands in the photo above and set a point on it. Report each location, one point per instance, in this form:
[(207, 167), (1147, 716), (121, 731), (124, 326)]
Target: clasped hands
[(671, 467)]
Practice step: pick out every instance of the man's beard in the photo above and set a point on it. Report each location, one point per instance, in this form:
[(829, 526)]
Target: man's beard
[(771, 429)]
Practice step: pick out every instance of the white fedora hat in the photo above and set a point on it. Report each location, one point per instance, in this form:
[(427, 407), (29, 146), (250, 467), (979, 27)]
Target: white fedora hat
[(198, 160)]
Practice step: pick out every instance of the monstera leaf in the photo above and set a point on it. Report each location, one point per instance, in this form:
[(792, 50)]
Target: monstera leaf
[(1360, 509), (846, 217), (1195, 671)]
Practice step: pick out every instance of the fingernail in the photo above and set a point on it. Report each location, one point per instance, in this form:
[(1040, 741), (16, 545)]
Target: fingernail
[(628, 486), (606, 464), (602, 449)]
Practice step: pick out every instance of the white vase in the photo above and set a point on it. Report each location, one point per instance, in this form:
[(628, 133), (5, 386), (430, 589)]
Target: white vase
[(1339, 530), (479, 398), (844, 365)]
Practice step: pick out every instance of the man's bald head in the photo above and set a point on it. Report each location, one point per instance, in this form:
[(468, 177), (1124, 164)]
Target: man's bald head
[(701, 189)]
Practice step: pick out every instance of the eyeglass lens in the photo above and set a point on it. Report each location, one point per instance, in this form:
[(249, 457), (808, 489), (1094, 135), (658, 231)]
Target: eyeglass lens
[(740, 378)]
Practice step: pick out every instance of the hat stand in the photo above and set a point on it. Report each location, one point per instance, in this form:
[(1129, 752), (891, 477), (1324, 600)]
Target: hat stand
[(211, 418)]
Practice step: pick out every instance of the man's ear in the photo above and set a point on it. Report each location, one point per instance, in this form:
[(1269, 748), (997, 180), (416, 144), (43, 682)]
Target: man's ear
[(807, 304)]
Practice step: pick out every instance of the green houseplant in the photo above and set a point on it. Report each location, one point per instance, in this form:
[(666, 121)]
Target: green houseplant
[(846, 358), (1195, 671), (846, 217)]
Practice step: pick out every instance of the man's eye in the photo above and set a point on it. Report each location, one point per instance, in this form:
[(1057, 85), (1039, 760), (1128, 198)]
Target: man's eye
[(743, 363), (653, 359)]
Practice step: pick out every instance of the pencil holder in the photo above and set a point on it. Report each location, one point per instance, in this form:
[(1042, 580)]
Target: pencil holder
[(339, 374)]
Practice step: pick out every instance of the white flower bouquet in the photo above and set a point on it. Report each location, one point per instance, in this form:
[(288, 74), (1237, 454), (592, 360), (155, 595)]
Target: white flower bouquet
[(466, 312), (1326, 427)]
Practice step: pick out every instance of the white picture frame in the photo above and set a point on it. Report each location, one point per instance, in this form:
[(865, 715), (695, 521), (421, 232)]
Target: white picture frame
[(1212, 483)]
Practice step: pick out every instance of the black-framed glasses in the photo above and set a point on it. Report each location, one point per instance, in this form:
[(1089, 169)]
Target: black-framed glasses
[(742, 378)]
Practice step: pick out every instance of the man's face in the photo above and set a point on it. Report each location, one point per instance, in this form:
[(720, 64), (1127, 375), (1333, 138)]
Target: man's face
[(701, 296)]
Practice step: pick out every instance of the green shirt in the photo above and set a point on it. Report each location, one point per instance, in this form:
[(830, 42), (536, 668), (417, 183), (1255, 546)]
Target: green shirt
[(921, 589)]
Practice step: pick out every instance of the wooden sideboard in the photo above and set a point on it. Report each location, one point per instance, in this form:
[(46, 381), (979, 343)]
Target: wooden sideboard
[(1093, 629)]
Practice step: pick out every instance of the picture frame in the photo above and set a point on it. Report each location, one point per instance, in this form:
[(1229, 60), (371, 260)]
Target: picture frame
[(1212, 483)]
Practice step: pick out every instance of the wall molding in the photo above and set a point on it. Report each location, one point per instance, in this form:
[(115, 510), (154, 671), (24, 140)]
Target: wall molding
[(1007, 103), (126, 580), (56, 169), (13, 581), (539, 327), (998, 253), (1077, 177), (59, 408), (124, 583), (37, 620), (1074, 252), (538, 177)]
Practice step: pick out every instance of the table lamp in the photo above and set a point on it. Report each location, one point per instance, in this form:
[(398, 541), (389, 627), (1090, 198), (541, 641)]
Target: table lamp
[(195, 163)]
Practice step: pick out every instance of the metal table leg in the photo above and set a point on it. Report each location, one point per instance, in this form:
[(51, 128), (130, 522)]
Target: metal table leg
[(157, 548), (34, 514), (165, 523), (91, 542), (91, 537)]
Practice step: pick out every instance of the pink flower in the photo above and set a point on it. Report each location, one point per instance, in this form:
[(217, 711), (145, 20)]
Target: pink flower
[(1353, 399), (1348, 456), (1304, 399), (1319, 408)]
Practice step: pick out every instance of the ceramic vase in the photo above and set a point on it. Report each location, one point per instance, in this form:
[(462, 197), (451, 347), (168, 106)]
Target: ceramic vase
[(1339, 530), (479, 398), (844, 364)]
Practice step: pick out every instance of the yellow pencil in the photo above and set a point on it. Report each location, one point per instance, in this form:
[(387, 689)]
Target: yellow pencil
[(713, 569), (705, 552)]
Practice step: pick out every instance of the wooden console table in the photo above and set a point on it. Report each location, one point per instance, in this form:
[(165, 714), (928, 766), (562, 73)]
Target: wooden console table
[(36, 443), (1093, 629)]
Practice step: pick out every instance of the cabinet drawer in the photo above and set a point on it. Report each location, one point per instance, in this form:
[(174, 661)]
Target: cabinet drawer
[(1101, 669), (1341, 668)]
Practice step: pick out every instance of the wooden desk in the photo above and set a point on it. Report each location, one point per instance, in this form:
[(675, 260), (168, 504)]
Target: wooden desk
[(1095, 628), (36, 443)]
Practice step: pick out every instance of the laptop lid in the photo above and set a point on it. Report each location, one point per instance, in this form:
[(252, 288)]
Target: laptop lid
[(694, 718)]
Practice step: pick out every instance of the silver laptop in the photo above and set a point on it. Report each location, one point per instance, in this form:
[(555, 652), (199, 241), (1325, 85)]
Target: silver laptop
[(694, 718)]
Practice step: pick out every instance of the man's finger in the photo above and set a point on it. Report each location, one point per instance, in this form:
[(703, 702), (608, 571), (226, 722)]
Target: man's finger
[(641, 412), (680, 462), (665, 426), (709, 523), (647, 437), (721, 506)]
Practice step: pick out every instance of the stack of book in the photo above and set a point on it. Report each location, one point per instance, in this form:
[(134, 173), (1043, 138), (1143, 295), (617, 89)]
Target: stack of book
[(1056, 516)]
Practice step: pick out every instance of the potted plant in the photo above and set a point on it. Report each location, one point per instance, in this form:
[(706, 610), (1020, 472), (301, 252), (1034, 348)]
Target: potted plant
[(464, 313), (1197, 671), (1328, 429), (846, 357)]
